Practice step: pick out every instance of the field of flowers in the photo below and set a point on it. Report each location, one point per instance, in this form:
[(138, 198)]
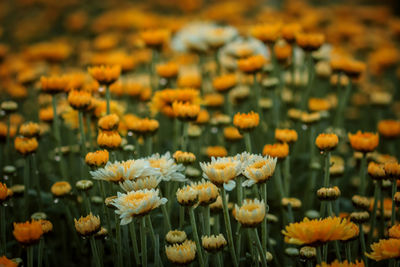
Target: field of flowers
[(199, 133)]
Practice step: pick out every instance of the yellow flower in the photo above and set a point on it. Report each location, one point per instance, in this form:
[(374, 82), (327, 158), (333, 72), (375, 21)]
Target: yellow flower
[(184, 157), (363, 142), (345, 263), (167, 70), (149, 182), (326, 141), (258, 169), (222, 171), (251, 213), (394, 231), (319, 231), (286, 135), (182, 254), (97, 158), (4, 262), (105, 75), (385, 249), (87, 226), (213, 243), (246, 121), (25, 145), (29, 129), (54, 84), (187, 196), (207, 192), (389, 128), (109, 122), (232, 134), (278, 150), (79, 99), (109, 139), (4, 192), (60, 189), (216, 151), (224, 82), (251, 64), (175, 236), (185, 110)]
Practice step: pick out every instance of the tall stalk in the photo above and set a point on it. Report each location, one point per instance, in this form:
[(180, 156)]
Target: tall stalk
[(196, 236), (228, 227)]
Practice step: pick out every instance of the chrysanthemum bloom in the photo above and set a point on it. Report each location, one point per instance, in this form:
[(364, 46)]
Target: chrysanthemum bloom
[(108, 122), (251, 213), (125, 170), (376, 170), (25, 145), (143, 126), (47, 226), (60, 189), (294, 203), (359, 217), (105, 75), (361, 202), (189, 80), (267, 33), (216, 151), (328, 193), (87, 226), (4, 130), (187, 196), (175, 237), (149, 182), (394, 231), (84, 185), (213, 100), (5, 193), (397, 199), (213, 243), (79, 99), (97, 159), (185, 111), (46, 114), (282, 51), (203, 117), (224, 82), (310, 41), (353, 68), (310, 118), (258, 169), (286, 135), (246, 121), (363, 142), (155, 38), (207, 192), (389, 128), (167, 166), (337, 263), (232, 134), (54, 84), (278, 150), (181, 254), (29, 129), (318, 104), (184, 157), (136, 203), (289, 31), (167, 70), (222, 171), (392, 170), (318, 231), (28, 233), (109, 139), (251, 64), (4, 262), (326, 141), (308, 253), (385, 249)]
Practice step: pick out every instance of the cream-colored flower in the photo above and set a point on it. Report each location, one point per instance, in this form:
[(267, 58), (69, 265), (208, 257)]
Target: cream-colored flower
[(213, 243), (258, 169), (175, 236), (88, 225), (167, 166), (183, 253), (251, 213), (140, 183), (136, 203), (207, 192), (187, 196), (222, 171)]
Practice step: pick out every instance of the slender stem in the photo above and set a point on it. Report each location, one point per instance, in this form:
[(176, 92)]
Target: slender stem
[(166, 217), (27, 185), (363, 169), (394, 189), (319, 258), (83, 135), (247, 140), (363, 247), (264, 222), (40, 252), (132, 231), (327, 166), (119, 241), (95, 253), (196, 236), (185, 136), (228, 227), (286, 173), (3, 243), (325, 252), (36, 180), (373, 215), (290, 213), (278, 180), (348, 251), (337, 250), (108, 220), (143, 241), (108, 99), (89, 130), (8, 141), (381, 211), (157, 260), (148, 140), (339, 117), (30, 255), (181, 217), (256, 90), (238, 233), (206, 211), (57, 136), (307, 91), (261, 251)]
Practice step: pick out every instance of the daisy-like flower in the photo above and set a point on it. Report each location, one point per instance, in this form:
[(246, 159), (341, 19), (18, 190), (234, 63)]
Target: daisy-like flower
[(181, 254), (125, 170), (136, 203), (207, 192), (222, 171), (141, 183), (258, 169), (345, 263), (309, 232), (385, 249), (167, 166), (251, 213)]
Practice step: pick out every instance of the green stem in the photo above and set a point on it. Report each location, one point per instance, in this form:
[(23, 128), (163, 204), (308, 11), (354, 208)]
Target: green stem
[(149, 145), (307, 91), (278, 180), (206, 211), (166, 217), (382, 212), (95, 253), (286, 173), (3, 230), (30, 255), (264, 232), (327, 166), (119, 241), (337, 250), (363, 169), (8, 141), (181, 216), (36, 180), (108, 220), (132, 231), (373, 215), (394, 190), (57, 136), (40, 252), (319, 258), (185, 136), (143, 241), (157, 259), (247, 140), (257, 94), (83, 135), (27, 186), (363, 247), (348, 251), (260, 249), (339, 117), (196, 236), (325, 252), (108, 99), (89, 130), (228, 227)]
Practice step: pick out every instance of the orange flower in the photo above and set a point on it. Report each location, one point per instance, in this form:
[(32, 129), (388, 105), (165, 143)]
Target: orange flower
[(185, 110), (189, 80), (54, 84), (289, 31), (184, 157), (327, 141), (155, 38), (364, 142), (286, 135), (318, 231), (5, 193), (385, 249), (167, 70), (251, 64), (310, 41), (213, 100), (246, 121), (318, 104), (392, 170), (87, 226), (29, 129), (4, 262), (28, 233), (225, 82), (105, 75), (60, 189), (25, 145), (203, 117), (4, 130), (46, 114), (282, 51), (376, 170), (162, 100), (97, 158), (142, 126), (389, 128), (232, 134), (108, 122), (278, 150), (79, 99), (109, 139), (345, 263), (216, 151), (394, 231), (267, 33)]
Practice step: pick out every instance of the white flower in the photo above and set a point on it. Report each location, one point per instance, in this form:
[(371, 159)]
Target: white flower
[(258, 169), (136, 203), (222, 171), (167, 166), (251, 213), (141, 183)]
